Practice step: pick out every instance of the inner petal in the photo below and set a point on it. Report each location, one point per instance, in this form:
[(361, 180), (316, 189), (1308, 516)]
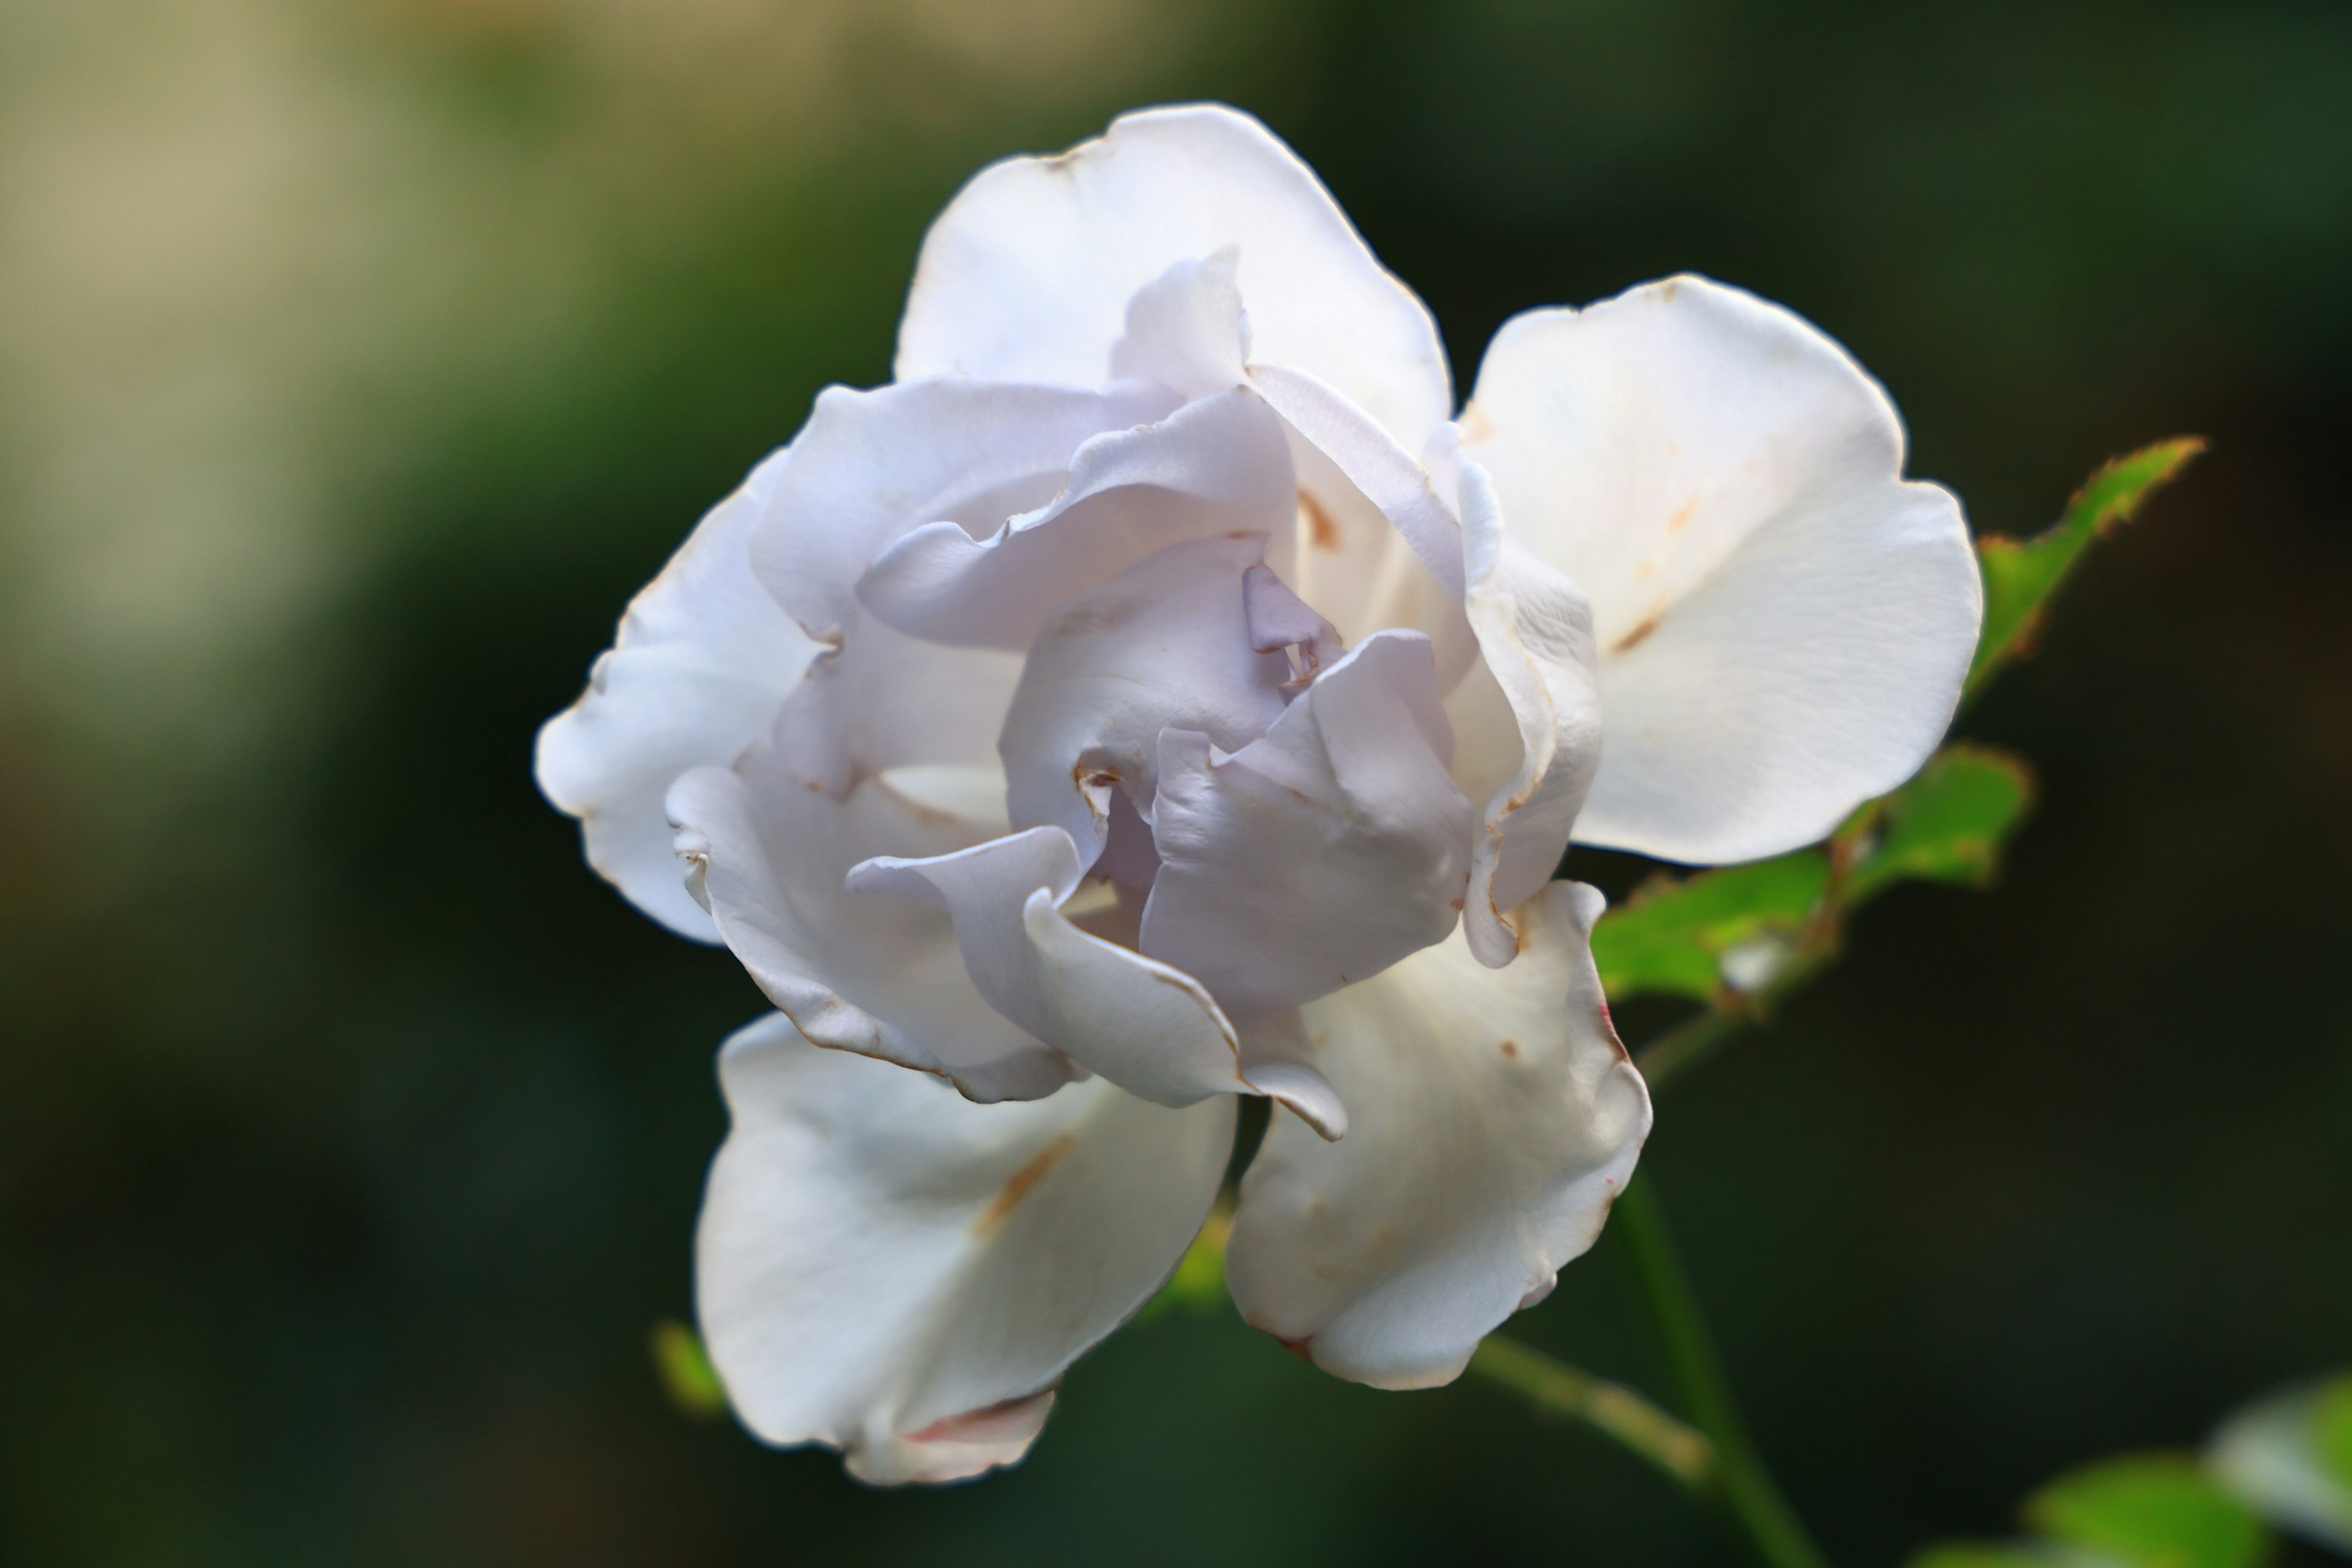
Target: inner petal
[(1218, 465), (1353, 564), (1164, 644)]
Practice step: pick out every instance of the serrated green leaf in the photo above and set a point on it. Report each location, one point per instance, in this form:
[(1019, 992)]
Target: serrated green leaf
[(2021, 574), (686, 1372), (1674, 937), (2155, 1510), (1947, 824), (1199, 1283), (2331, 1430)]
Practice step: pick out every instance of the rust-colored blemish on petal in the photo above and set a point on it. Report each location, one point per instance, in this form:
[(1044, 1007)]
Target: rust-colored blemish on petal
[(1682, 518), (1635, 638), (1303, 1347), (1321, 532), (1511, 1050), (1024, 1181)]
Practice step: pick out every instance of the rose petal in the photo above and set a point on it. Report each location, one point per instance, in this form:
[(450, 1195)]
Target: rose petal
[(1322, 852), (1186, 329), (1374, 461), (1165, 643), (771, 842), (1494, 1118), (893, 1271), (1148, 1028), (871, 466), (1029, 273), (1216, 466), (1279, 1062), (1536, 633), (1783, 622), (701, 663)]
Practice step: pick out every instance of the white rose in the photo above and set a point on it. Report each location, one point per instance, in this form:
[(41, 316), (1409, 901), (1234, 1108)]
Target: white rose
[(1144, 701)]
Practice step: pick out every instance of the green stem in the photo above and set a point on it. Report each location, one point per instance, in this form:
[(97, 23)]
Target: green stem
[(1559, 1389), (1685, 1045), (1771, 1527)]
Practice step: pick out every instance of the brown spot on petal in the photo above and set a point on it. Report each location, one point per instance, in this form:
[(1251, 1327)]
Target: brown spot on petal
[(1680, 520), (1511, 1050), (1635, 638), (1022, 1182), (1303, 1347), (1321, 532)]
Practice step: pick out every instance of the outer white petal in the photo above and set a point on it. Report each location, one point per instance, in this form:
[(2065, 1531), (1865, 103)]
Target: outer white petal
[(1152, 1030), (1536, 632), (1166, 643), (871, 466), (702, 661), (1323, 851), (1028, 274), (1494, 1118), (772, 842), (893, 1271), (1783, 622), (1217, 466)]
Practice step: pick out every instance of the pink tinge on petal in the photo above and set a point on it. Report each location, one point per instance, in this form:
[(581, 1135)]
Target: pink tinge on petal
[(1017, 1420)]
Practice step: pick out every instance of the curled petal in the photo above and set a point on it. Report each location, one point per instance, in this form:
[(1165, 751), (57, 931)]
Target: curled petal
[(1029, 273), (1216, 466), (897, 1273), (1783, 621), (1374, 461), (1536, 633), (702, 661), (1143, 1026), (1186, 329), (1165, 643), (871, 466), (1322, 852), (770, 848), (1493, 1117), (1278, 1061)]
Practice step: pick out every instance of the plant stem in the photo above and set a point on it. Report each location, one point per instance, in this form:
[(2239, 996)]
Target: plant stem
[(1559, 1389), (1679, 1048), (1771, 1527)]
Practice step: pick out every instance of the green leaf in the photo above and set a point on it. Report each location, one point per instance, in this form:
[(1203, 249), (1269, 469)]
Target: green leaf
[(2155, 1511), (1199, 1283), (1945, 825), (1696, 936), (686, 1372), (1999, 1554), (2288, 1455), (2331, 1430), (2020, 576)]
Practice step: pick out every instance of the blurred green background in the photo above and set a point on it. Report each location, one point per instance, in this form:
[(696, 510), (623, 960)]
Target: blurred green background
[(358, 360)]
